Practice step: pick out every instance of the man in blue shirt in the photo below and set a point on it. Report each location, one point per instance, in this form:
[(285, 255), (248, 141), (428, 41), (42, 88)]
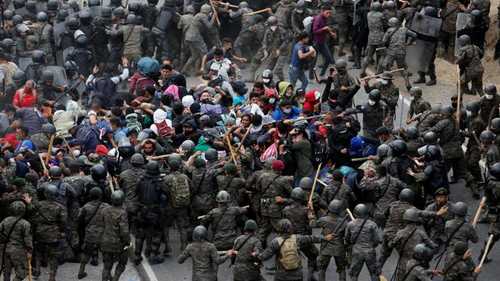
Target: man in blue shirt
[(302, 55)]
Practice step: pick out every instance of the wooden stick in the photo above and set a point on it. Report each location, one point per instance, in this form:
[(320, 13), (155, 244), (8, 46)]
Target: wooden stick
[(314, 184), (159, 157), (360, 159), (231, 149), (478, 212), (45, 170), (258, 12), (380, 74), (350, 214), (486, 250), (243, 139), (216, 15), (459, 100), (30, 271), (70, 151), (49, 150), (111, 183), (226, 4)]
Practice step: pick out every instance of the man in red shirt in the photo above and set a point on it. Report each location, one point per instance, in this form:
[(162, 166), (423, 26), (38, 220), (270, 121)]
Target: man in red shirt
[(25, 96)]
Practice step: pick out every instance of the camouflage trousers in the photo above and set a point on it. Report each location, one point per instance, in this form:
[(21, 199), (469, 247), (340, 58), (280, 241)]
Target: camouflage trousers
[(340, 264), (109, 259), (15, 259), (359, 258), (50, 252)]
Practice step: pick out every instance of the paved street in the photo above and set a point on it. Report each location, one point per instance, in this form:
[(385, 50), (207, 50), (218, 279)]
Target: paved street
[(171, 271)]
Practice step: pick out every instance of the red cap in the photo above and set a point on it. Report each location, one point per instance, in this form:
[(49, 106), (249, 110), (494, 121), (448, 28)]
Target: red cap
[(278, 165), (101, 150)]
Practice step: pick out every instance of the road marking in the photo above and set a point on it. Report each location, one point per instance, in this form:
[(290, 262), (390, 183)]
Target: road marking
[(145, 268)]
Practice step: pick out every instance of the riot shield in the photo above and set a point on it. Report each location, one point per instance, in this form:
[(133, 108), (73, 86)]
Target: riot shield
[(420, 55), (426, 25)]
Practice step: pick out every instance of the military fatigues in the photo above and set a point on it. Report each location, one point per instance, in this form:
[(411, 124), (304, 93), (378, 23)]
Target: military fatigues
[(232, 185), (458, 269), (115, 241), (193, 40), (274, 249), (459, 230), (417, 271), (246, 266), (374, 117), (363, 236), (16, 243), (204, 190), (492, 192), (451, 142), (387, 191), (205, 258), (471, 69), (275, 44), (375, 39), (418, 106), (449, 28), (88, 218), (45, 37), (436, 226), (49, 230), (223, 221), (475, 126), (298, 216), (244, 38), (342, 13), (338, 190), (405, 241), (270, 186), (393, 224), (150, 191), (335, 225), (132, 41), (181, 218), (395, 38), (129, 179)]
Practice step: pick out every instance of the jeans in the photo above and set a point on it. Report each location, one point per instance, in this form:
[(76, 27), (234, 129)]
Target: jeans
[(323, 49), (296, 73)]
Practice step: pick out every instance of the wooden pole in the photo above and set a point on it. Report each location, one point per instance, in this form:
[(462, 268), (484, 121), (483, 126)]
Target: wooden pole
[(216, 15), (228, 140), (350, 214), (459, 100), (486, 250), (30, 271), (380, 74), (314, 184), (49, 150), (243, 139), (478, 212), (258, 12)]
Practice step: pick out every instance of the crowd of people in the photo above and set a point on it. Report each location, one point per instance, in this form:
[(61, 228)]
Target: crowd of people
[(104, 141)]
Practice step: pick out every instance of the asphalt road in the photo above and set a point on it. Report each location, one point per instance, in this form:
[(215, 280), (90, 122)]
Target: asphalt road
[(170, 270)]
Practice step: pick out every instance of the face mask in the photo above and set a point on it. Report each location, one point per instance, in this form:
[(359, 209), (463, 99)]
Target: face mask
[(287, 111), (469, 113), (273, 28), (371, 102), (265, 80), (490, 97), (272, 100)]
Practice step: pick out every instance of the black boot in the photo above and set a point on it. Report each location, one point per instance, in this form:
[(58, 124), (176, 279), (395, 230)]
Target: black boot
[(421, 78)]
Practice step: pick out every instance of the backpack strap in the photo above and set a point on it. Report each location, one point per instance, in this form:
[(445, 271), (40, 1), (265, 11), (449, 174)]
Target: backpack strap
[(359, 232)]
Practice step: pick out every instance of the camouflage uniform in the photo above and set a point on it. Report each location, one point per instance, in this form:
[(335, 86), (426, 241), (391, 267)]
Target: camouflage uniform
[(333, 224), (192, 28), (205, 258), (49, 231), (88, 218), (375, 39), (270, 186), (363, 236), (471, 69), (223, 221), (114, 241), (232, 185), (394, 223), (405, 241), (16, 244), (181, 218), (245, 266)]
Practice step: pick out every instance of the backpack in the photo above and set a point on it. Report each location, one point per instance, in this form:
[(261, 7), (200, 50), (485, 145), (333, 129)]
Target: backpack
[(180, 193), (289, 256), (164, 130), (308, 25)]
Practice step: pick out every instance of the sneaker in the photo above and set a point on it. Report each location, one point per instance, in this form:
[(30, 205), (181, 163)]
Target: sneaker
[(431, 82), (82, 275)]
